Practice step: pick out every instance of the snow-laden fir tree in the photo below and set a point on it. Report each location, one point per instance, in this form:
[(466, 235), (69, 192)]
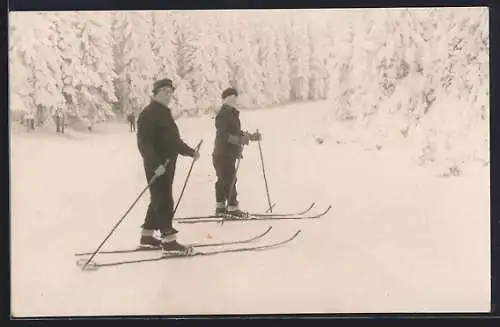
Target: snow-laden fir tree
[(299, 55), (33, 44), (72, 67), (366, 73), (268, 58), (20, 72), (200, 59), (455, 129), (245, 48), (164, 48), (283, 64), (94, 90), (319, 52), (134, 59), (341, 80)]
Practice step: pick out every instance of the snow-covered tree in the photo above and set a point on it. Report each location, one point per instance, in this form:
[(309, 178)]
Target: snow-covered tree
[(87, 62), (283, 65), (248, 74), (341, 79), (319, 44), (299, 56), (134, 59), (268, 59)]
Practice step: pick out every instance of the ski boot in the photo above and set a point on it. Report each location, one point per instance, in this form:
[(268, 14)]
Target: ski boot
[(170, 246), (220, 209), (148, 240), (233, 212)]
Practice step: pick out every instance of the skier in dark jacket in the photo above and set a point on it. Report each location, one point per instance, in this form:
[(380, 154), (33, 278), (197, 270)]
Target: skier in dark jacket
[(59, 115), (229, 142), (158, 139), (131, 120)]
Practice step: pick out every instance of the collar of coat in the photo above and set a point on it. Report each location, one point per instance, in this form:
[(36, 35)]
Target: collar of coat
[(157, 103), (226, 107)]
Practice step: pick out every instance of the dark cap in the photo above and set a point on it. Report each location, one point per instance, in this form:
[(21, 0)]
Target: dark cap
[(166, 82), (228, 92)]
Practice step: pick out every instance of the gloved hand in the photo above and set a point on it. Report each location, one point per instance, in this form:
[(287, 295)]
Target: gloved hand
[(255, 136), (245, 138), (196, 155), (160, 170)]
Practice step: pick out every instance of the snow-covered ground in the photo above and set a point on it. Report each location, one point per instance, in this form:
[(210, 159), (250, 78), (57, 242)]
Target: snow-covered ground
[(398, 239)]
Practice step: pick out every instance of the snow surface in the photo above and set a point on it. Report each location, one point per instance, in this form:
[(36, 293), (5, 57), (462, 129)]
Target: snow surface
[(398, 239)]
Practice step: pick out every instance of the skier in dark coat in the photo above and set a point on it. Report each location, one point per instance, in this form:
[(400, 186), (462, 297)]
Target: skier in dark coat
[(59, 115), (158, 138), (229, 142), (131, 120)]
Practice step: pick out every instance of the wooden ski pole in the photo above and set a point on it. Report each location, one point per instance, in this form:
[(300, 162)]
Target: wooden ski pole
[(153, 179), (270, 207), (187, 178)]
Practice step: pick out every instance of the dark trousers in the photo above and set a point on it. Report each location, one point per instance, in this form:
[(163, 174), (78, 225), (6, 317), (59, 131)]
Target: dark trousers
[(161, 206), (225, 169)]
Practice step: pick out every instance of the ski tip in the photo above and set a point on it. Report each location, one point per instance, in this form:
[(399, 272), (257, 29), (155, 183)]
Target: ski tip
[(294, 236), (86, 265), (267, 230), (326, 210)]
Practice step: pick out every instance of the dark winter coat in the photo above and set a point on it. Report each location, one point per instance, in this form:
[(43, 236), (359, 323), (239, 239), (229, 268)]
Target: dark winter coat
[(158, 137), (228, 126)]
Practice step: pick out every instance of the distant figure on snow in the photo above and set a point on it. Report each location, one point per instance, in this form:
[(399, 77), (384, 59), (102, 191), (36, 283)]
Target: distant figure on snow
[(30, 121), (229, 142), (59, 116), (131, 120), (158, 139), (88, 123)]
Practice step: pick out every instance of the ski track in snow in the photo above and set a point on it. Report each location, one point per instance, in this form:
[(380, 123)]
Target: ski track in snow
[(397, 240)]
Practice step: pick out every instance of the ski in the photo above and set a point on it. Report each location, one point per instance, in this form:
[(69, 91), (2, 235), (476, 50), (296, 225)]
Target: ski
[(94, 265), (284, 214), (227, 218), (300, 213), (194, 245)]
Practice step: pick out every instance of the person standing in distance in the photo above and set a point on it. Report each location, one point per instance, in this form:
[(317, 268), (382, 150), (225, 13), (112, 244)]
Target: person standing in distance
[(228, 147), (158, 139), (131, 120)]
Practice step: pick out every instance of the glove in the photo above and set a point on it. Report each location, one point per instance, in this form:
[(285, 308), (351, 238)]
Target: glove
[(245, 139), (255, 136), (196, 155), (160, 170)]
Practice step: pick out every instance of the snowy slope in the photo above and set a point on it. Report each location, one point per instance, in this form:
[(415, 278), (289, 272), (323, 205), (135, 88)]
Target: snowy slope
[(398, 238)]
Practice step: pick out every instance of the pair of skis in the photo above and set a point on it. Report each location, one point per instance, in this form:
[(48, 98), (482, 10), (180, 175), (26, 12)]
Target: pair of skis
[(195, 250), (254, 216)]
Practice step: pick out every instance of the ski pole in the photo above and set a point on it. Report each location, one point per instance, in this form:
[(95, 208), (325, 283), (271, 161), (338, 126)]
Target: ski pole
[(187, 178), (270, 208), (123, 217)]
